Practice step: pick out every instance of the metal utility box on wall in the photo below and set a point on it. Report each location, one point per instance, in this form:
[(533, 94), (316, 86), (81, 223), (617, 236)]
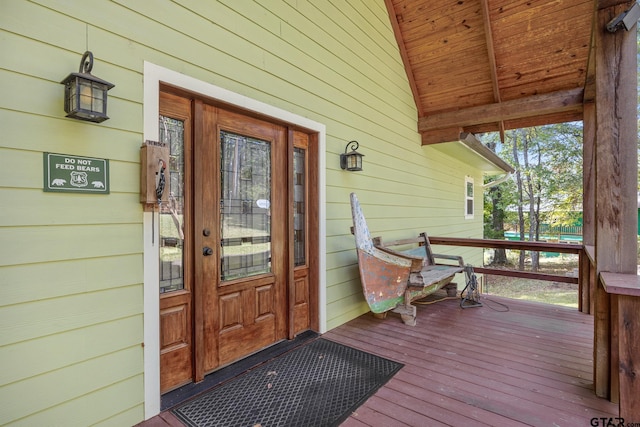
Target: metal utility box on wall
[(154, 172)]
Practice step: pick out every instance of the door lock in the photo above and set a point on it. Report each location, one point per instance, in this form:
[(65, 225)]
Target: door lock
[(206, 251)]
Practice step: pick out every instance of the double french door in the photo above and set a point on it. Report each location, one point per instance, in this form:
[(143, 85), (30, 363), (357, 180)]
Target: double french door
[(235, 262)]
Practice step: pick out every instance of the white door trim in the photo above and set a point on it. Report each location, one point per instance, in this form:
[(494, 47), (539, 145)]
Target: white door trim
[(153, 76)]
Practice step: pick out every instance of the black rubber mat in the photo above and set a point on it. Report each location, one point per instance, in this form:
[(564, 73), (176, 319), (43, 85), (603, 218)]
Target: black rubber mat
[(214, 379), (317, 384)]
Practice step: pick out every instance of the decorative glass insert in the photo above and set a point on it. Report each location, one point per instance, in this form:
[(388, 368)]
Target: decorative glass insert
[(172, 213), (299, 207), (245, 216)]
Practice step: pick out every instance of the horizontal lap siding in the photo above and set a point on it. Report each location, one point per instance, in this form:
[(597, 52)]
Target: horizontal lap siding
[(71, 265)]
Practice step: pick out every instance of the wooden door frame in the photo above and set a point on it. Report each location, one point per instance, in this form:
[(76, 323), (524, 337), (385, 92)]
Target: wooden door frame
[(154, 76)]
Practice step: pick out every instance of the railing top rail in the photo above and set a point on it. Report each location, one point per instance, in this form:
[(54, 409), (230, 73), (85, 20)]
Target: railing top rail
[(567, 248)]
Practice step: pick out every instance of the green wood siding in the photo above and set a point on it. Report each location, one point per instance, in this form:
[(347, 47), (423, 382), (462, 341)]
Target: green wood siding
[(71, 265)]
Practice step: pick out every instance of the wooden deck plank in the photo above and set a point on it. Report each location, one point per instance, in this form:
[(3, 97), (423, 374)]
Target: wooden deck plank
[(390, 413), (497, 379), (562, 348), (417, 398), (464, 354), (468, 384), (364, 416), (531, 365)]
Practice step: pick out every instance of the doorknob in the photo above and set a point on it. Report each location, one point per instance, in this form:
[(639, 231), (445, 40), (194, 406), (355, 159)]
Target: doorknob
[(206, 251)]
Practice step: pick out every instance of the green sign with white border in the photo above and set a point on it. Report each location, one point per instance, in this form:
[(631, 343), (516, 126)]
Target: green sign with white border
[(75, 174)]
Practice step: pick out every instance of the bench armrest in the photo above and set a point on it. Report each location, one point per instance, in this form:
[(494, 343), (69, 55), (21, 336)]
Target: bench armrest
[(450, 257)]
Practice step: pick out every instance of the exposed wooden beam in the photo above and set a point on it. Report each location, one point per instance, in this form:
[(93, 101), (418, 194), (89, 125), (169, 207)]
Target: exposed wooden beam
[(590, 78), (441, 135), (548, 119), (393, 18), (488, 33), (536, 105)]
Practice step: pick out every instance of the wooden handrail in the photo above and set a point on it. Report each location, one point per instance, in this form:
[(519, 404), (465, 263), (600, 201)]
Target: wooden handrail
[(566, 248), (526, 275), (621, 283)]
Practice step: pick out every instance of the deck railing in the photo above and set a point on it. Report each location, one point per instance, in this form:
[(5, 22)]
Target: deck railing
[(586, 269), (612, 298)]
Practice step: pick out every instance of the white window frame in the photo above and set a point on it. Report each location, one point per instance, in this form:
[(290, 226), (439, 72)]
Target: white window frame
[(469, 180)]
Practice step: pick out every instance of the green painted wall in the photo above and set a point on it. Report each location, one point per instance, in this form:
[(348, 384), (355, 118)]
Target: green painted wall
[(71, 266)]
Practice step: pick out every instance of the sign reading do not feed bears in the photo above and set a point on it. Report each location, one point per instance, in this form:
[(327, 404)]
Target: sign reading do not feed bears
[(75, 174)]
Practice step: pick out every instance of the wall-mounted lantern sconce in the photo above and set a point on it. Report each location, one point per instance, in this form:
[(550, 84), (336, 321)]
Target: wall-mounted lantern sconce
[(351, 161), (85, 95)]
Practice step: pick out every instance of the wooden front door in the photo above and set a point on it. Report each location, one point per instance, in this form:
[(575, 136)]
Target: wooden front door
[(235, 263), (241, 222)]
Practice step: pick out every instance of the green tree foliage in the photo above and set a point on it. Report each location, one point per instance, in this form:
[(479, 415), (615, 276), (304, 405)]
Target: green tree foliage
[(547, 186)]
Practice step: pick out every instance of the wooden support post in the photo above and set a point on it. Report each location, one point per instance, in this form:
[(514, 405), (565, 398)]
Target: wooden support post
[(615, 217), (588, 204), (602, 343), (629, 327), (583, 282), (614, 356), (624, 291)]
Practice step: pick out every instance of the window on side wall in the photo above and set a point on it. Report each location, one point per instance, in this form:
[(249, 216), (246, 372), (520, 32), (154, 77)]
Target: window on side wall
[(468, 198)]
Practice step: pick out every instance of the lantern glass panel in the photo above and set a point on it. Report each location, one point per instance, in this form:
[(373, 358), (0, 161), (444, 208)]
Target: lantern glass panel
[(85, 97), (71, 96), (354, 161), (99, 90)]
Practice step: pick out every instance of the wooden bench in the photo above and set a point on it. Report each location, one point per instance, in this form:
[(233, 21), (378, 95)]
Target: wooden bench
[(395, 273)]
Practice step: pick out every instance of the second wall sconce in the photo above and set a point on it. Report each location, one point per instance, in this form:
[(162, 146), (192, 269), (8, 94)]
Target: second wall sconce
[(351, 161), (85, 95)]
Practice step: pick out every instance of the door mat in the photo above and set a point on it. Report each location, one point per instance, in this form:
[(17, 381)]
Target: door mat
[(317, 384), (214, 379)]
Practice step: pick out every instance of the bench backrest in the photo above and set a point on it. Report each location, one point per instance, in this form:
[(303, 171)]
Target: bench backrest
[(421, 247)]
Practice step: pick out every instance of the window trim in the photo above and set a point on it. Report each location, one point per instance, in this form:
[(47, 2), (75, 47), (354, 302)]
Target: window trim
[(469, 180)]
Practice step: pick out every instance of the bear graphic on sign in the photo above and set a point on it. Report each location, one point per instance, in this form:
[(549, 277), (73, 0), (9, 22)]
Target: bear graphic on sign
[(79, 179)]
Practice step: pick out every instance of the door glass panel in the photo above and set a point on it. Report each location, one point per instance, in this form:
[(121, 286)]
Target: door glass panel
[(245, 218), (299, 208), (172, 213)]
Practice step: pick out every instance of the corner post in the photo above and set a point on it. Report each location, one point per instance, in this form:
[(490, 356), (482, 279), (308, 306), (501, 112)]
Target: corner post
[(615, 218)]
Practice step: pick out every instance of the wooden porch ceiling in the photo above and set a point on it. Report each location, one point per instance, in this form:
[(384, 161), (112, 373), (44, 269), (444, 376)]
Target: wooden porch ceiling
[(491, 65)]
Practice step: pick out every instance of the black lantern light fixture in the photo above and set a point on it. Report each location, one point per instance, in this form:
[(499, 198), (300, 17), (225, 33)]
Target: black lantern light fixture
[(85, 95), (351, 161)]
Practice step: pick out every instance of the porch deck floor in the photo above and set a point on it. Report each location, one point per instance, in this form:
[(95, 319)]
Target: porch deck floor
[(531, 365)]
